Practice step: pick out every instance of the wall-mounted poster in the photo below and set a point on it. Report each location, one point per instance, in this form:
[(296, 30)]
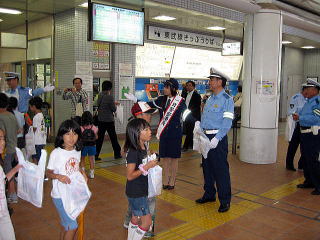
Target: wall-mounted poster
[(101, 56), (125, 80), (148, 89)]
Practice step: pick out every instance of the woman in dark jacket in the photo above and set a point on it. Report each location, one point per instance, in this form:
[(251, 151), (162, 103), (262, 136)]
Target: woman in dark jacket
[(106, 109), (170, 131)]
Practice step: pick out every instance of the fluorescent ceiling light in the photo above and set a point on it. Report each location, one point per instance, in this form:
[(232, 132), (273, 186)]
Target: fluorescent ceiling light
[(1, 20), (85, 5), (286, 42), (308, 47), (9, 11), (216, 28), (164, 18)]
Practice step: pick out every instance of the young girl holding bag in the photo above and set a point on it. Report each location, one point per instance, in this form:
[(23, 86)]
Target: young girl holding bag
[(138, 133), (64, 161)]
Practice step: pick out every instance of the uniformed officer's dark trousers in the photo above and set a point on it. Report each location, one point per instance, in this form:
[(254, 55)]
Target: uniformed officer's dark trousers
[(310, 147), (292, 148), (216, 172)]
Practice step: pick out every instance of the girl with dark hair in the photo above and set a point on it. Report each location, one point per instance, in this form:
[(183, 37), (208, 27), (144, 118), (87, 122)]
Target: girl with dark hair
[(106, 109), (89, 136), (64, 161), (138, 133)]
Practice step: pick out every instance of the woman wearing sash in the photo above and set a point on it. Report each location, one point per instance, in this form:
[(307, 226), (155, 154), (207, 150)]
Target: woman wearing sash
[(171, 108)]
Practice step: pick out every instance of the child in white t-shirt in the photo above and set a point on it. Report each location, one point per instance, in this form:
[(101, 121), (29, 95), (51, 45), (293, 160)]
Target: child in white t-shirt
[(63, 162), (39, 127), (6, 228)]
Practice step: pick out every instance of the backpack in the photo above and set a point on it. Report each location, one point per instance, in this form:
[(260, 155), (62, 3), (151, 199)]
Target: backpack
[(88, 137)]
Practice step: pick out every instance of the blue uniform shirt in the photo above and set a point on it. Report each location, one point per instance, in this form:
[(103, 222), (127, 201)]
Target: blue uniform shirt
[(218, 114), (25, 94), (296, 103), (310, 113)]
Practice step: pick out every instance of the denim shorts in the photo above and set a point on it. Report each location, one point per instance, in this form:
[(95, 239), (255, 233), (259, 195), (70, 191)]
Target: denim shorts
[(88, 150), (66, 221), (139, 206)]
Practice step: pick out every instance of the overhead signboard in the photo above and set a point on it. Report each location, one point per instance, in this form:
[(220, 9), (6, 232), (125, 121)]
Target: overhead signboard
[(175, 36), (113, 24), (153, 60)]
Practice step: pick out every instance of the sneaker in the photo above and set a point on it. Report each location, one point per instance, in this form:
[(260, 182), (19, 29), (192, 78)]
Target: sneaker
[(12, 198), (149, 235), (91, 174)]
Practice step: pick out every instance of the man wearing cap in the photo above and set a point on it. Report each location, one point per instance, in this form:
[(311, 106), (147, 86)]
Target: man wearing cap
[(23, 94), (216, 121), (296, 104), (309, 119)]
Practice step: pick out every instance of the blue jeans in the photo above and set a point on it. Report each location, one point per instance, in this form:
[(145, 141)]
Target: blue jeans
[(139, 206), (38, 152)]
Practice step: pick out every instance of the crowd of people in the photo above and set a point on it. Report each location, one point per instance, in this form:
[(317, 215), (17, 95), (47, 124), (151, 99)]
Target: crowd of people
[(84, 133)]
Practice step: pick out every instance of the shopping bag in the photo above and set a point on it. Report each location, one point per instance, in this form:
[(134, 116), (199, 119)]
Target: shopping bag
[(154, 181), (119, 113), (30, 178), (30, 146), (75, 195), (290, 126)]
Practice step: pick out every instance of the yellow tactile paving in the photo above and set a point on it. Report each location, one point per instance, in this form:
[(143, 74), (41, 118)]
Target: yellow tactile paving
[(283, 190), (187, 230), (176, 199), (200, 218), (168, 235), (111, 176), (246, 196)]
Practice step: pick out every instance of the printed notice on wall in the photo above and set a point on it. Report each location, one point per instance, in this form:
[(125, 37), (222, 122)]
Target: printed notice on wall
[(101, 56), (125, 80), (84, 68), (265, 88)]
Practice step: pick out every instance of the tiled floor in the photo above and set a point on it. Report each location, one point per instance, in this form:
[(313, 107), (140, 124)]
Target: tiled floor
[(266, 205)]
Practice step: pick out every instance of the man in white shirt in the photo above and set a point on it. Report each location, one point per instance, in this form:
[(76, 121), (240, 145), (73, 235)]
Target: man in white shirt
[(193, 102)]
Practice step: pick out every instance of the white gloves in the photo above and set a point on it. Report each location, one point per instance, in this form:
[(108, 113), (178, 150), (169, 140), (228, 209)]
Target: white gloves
[(197, 128), (131, 97), (48, 88), (214, 142)]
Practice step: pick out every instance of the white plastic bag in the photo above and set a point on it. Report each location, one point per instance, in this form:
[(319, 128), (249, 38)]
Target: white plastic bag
[(30, 146), (30, 179), (201, 143), (290, 126), (75, 195), (119, 113), (154, 181)]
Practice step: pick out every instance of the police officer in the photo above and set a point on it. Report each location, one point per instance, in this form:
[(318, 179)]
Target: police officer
[(23, 94), (216, 121), (309, 119), (296, 104)]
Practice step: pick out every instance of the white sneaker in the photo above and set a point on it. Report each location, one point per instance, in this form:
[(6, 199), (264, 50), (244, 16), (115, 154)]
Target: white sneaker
[(91, 173)]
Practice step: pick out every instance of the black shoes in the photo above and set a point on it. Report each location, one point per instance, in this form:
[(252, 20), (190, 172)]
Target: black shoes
[(291, 169), (315, 192), (224, 208), (205, 200), (305, 185), (96, 158), (168, 187), (118, 157)]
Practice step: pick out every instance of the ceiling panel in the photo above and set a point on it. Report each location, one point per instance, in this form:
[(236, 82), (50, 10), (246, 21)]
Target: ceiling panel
[(312, 6)]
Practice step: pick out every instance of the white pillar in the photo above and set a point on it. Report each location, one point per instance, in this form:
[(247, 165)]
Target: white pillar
[(261, 86)]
